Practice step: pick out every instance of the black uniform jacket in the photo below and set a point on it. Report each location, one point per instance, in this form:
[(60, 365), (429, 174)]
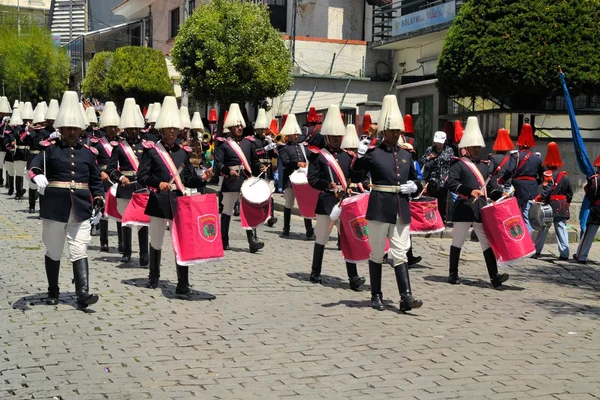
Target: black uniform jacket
[(592, 191), (320, 178), (290, 155), (153, 171), (262, 157), (225, 158), (389, 166), (313, 137), (9, 143), (525, 178), (120, 165), (558, 194), (33, 140), (66, 163), (497, 160), (462, 181), (150, 134), (4, 129), (20, 134)]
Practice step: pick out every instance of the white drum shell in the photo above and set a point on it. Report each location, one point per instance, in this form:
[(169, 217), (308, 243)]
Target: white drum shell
[(256, 191)]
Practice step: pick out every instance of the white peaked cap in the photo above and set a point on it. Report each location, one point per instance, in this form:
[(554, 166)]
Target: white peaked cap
[(149, 110), (374, 116), (169, 116), (390, 116), (261, 119), (129, 118), (291, 126), (333, 124), (234, 116), (69, 113), (351, 138), (109, 116), (27, 111), (90, 113), (5, 105), (52, 111), (472, 136), (15, 118), (185, 117), (43, 105), (16, 104), (82, 108), (197, 122), (39, 114), (139, 116), (155, 113)]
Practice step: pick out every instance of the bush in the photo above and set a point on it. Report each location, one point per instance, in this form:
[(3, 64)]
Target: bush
[(95, 83)]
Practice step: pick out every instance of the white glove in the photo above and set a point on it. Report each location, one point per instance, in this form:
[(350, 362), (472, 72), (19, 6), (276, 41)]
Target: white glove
[(270, 147), (408, 188), (41, 181), (54, 135), (336, 212), (95, 220), (363, 147), (4, 119)]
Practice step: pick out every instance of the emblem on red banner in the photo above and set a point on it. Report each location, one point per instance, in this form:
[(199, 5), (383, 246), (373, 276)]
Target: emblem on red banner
[(360, 229), (207, 227), (514, 228)]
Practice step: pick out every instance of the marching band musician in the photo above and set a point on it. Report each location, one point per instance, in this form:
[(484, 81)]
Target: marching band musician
[(230, 158), (366, 130), (264, 148), (155, 172), (67, 171), (92, 129), (324, 170), (151, 133), (499, 162), (37, 134), (9, 144), (467, 178), (122, 168), (557, 192), (292, 156), (592, 192), (525, 169), (393, 179), (312, 135), (183, 136), (21, 153), (5, 112), (200, 146)]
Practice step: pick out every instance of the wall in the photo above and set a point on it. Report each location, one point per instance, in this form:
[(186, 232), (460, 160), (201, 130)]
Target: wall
[(559, 126), (101, 16), (409, 51), (333, 19)]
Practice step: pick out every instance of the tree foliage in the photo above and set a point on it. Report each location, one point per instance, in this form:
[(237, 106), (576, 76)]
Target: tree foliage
[(138, 72), (227, 51), (95, 82), (31, 66), (510, 50)]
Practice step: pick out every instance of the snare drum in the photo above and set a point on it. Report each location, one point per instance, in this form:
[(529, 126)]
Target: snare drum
[(306, 196), (256, 192), (540, 215)]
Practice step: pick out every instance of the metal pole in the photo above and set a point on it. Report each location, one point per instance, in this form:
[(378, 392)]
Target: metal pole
[(70, 20), (345, 91), (332, 62), (311, 97), (18, 18), (393, 83), (293, 101)]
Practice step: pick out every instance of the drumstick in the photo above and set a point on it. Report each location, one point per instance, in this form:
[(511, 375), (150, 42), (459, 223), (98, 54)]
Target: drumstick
[(422, 191), (257, 179)]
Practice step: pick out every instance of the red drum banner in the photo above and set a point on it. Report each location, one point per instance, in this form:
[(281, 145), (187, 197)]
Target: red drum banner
[(134, 214), (110, 207), (425, 217)]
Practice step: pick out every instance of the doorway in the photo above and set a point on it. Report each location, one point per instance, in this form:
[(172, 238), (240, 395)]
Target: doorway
[(421, 109)]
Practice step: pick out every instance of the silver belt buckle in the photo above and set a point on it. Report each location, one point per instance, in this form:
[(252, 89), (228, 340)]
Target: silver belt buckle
[(73, 185)]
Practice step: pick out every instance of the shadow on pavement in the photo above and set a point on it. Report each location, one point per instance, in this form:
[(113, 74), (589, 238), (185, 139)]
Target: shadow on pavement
[(26, 302), (564, 273), (480, 283), (558, 307), (293, 236), (327, 281), (389, 305), (168, 290)]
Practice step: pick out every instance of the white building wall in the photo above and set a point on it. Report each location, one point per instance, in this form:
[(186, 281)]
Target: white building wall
[(332, 19)]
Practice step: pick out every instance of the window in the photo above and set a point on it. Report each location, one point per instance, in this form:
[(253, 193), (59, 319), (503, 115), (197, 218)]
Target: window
[(278, 10), (191, 6), (174, 22)]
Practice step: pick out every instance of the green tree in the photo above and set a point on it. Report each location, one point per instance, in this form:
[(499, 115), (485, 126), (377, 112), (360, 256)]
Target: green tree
[(227, 51), (95, 82), (138, 72), (510, 50), (31, 67)]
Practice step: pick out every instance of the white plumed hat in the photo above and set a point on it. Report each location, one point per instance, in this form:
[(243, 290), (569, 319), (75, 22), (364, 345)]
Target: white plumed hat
[(39, 114), (27, 111), (333, 124), (291, 126), (390, 117), (472, 136), (155, 113), (149, 111), (5, 105), (140, 117), (52, 111), (185, 117), (197, 122), (129, 118), (109, 116), (234, 116), (169, 116), (351, 138), (82, 108), (15, 118), (69, 113), (261, 119), (16, 104), (90, 113)]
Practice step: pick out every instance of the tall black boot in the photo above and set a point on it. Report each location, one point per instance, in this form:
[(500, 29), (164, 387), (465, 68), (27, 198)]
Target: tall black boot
[(7, 180), (52, 274), (454, 259), (236, 209), (119, 237), (143, 241), (310, 232), (412, 260), (154, 269), (19, 191), (492, 267), (126, 240), (255, 244), (1, 176), (355, 281), (11, 185), (82, 283), (183, 283), (339, 244), (407, 302), (104, 235), (317, 263), (273, 220), (225, 220), (220, 202), (32, 200), (287, 218), (375, 276)]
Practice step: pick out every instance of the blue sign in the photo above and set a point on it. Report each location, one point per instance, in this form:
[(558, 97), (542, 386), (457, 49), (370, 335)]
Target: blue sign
[(424, 18)]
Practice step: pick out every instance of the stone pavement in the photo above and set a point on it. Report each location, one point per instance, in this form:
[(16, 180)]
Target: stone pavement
[(271, 334)]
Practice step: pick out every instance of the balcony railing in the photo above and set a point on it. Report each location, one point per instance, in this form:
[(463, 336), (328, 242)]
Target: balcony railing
[(402, 19)]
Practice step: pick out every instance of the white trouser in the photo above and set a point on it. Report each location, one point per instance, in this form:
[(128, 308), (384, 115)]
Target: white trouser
[(121, 206), (229, 199), (20, 168), (221, 178), (157, 229), (77, 235), (9, 166), (460, 231), (398, 235), (323, 228), (289, 197), (2, 155)]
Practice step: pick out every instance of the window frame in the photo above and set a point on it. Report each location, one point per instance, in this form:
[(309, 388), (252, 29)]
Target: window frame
[(171, 25)]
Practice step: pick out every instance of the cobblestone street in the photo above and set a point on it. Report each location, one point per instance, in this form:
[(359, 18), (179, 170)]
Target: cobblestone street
[(271, 334)]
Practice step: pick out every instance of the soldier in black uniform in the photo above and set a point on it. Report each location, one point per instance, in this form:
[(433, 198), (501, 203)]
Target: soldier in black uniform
[(292, 156), (123, 170), (321, 176), (68, 173), (154, 173), (10, 145), (592, 192), (264, 148), (5, 112), (525, 171), (467, 178), (393, 179), (499, 163), (92, 129), (37, 134), (21, 153), (312, 133), (228, 164), (151, 133)]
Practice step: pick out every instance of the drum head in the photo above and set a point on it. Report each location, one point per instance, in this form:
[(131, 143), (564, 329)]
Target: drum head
[(354, 199), (424, 199), (536, 216), (113, 189), (256, 190), (299, 177)]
